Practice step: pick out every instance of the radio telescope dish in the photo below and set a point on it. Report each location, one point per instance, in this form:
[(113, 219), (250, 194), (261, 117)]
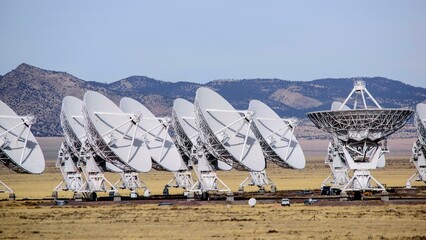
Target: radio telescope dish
[(226, 132), (276, 136), (357, 124), (72, 124), (153, 133), (359, 137), (186, 130), (360, 124), (19, 149), (112, 134), (419, 147)]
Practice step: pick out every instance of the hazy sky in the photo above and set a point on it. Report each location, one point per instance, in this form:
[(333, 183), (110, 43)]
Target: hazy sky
[(199, 41)]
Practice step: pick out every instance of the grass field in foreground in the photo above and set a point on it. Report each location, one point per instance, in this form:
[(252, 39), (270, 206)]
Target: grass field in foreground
[(396, 172), (39, 220), (217, 221)]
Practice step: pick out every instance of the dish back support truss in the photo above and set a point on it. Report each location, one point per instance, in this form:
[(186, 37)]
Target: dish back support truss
[(359, 137)]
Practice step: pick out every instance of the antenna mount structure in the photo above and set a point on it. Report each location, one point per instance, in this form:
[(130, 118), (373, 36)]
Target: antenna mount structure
[(193, 151), (277, 140), (419, 147), (154, 132), (80, 167), (359, 138)]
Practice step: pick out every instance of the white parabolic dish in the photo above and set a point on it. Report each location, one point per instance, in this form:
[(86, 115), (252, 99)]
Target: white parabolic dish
[(186, 128), (215, 118), (110, 133), (275, 136), (19, 155), (72, 124), (161, 147)]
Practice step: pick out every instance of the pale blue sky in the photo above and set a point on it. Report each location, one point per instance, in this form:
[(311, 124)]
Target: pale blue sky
[(199, 41)]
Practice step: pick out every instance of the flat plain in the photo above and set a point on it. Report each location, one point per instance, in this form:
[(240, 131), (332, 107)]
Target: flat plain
[(33, 218)]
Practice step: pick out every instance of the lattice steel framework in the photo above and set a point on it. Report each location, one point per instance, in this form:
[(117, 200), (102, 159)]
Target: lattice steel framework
[(360, 124), (357, 135)]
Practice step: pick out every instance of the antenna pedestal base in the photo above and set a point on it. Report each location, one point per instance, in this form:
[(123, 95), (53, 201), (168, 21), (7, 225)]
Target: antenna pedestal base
[(181, 179), (259, 179), (208, 181), (12, 197), (94, 176), (73, 180), (337, 179), (132, 182), (7, 189), (362, 181), (419, 161)]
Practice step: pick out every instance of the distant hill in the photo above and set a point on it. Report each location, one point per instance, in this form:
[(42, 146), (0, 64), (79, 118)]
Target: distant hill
[(28, 89)]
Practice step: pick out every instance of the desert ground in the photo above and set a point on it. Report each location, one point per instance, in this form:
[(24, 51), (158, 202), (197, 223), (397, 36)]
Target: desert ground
[(34, 215)]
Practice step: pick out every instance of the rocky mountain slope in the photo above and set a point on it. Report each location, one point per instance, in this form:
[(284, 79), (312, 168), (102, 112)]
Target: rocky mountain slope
[(28, 89)]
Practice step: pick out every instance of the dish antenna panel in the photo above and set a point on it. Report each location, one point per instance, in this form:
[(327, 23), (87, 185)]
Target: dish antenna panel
[(19, 149), (111, 133), (339, 176), (226, 132), (359, 137), (276, 137), (192, 149), (80, 167), (154, 134), (419, 147)]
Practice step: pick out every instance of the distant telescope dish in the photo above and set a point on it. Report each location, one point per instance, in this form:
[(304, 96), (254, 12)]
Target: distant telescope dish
[(153, 133), (276, 136), (112, 134), (226, 132), (186, 129), (19, 149), (252, 202)]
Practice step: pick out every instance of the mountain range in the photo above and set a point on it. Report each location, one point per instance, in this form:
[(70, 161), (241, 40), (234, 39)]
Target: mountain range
[(31, 90)]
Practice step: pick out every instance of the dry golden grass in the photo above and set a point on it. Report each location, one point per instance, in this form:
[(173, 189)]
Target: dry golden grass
[(197, 220), (217, 221)]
